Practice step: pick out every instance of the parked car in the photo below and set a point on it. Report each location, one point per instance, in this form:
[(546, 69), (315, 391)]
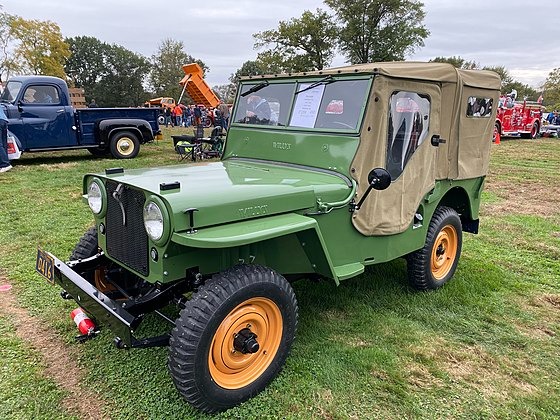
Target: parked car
[(360, 165), (41, 118)]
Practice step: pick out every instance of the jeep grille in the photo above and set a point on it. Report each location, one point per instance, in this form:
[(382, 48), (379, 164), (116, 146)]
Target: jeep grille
[(127, 242)]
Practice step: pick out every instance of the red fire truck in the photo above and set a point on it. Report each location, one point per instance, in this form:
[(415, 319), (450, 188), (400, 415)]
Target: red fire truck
[(518, 118)]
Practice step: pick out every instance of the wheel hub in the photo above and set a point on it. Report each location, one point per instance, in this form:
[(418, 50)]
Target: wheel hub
[(245, 341)]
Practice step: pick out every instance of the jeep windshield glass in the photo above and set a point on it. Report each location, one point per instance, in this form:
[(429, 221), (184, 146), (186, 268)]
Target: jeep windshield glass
[(10, 92), (329, 105), (264, 104), (325, 104)]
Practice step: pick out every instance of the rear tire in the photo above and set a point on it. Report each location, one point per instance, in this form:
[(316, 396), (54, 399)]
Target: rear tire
[(434, 264), (124, 145), (233, 337)]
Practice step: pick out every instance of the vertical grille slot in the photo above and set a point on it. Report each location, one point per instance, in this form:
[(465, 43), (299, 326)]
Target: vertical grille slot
[(127, 242)]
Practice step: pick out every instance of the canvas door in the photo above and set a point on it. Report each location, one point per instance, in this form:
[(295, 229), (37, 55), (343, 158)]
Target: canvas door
[(411, 120)]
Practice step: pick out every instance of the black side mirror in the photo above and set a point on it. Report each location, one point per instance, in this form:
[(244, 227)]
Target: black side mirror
[(379, 179), (19, 106)]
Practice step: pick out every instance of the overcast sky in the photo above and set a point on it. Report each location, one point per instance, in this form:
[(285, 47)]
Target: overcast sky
[(522, 36)]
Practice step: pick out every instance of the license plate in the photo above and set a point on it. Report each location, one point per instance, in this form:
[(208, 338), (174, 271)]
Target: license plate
[(45, 265)]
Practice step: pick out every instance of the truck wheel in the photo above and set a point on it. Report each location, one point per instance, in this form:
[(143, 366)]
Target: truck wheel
[(86, 246), (433, 265), (535, 130), (233, 337), (496, 133), (161, 120), (124, 145)]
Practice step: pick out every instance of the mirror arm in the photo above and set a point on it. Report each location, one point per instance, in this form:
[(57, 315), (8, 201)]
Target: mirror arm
[(354, 206)]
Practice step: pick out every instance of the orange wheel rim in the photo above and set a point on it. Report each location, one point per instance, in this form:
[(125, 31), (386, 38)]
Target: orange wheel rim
[(233, 369), (444, 252)]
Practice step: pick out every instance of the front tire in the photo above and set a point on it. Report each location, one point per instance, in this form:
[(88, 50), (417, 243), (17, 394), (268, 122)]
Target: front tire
[(86, 246), (434, 264), (233, 337), (124, 145)]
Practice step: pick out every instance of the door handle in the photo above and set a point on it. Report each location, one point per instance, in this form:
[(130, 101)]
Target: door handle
[(436, 140), (59, 111)]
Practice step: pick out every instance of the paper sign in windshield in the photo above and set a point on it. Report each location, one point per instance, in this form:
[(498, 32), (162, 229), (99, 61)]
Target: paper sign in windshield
[(307, 105)]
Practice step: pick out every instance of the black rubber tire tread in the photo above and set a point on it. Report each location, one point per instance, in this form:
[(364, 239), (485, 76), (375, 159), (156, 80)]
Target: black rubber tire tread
[(86, 246), (418, 262), (197, 323), (113, 145)]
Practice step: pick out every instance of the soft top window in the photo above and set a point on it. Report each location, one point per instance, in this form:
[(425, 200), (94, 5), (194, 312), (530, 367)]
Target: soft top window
[(409, 120)]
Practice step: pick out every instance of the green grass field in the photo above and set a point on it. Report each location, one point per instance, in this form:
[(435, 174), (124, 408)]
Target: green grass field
[(485, 346)]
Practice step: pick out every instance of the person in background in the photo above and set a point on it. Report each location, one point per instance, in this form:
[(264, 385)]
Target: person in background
[(224, 113), (197, 116), (187, 116), (167, 114), (178, 114), (258, 110), (4, 160), (93, 104)]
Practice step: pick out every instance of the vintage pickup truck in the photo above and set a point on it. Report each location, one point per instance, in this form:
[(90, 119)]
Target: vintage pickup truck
[(323, 174), (42, 119)]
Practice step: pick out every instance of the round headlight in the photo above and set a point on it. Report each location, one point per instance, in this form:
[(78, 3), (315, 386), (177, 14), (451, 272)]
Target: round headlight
[(95, 197), (153, 220)]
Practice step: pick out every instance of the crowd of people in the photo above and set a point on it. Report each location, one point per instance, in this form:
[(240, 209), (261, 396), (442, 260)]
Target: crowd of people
[(196, 115)]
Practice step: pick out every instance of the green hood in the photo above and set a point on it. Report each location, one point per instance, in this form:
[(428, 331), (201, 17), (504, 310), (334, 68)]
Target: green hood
[(236, 189)]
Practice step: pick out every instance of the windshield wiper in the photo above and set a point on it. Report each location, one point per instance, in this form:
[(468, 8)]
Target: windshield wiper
[(325, 81), (255, 88)]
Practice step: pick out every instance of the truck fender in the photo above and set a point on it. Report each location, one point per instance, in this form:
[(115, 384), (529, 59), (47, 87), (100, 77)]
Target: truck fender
[(257, 230), (14, 146), (140, 127)]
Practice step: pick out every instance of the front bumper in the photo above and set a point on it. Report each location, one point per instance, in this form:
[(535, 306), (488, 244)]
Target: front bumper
[(104, 310)]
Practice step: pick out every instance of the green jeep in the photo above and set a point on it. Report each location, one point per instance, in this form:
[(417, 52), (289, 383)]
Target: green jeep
[(323, 173)]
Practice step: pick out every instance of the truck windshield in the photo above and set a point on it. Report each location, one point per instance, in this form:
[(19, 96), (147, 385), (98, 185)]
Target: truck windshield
[(10, 92), (324, 104)]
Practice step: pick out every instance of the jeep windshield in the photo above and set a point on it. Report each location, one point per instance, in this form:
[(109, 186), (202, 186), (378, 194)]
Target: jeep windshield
[(10, 92), (324, 104)]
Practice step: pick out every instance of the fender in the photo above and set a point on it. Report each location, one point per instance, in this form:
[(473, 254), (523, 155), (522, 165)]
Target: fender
[(140, 127), (14, 146), (258, 230)]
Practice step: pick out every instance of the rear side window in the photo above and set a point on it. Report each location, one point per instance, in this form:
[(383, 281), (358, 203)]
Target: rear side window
[(479, 107), (41, 95), (409, 121)]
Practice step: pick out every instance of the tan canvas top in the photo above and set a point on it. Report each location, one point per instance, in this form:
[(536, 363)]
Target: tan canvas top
[(437, 72)]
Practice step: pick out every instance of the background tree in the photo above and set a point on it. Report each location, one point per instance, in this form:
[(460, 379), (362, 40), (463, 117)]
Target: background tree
[(123, 85), (40, 48), (7, 59), (110, 74), (379, 30), (166, 68), (300, 44), (87, 64), (552, 90), (509, 84), (457, 61)]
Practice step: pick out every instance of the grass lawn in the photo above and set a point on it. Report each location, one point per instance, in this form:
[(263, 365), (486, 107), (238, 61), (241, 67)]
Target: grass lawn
[(486, 345)]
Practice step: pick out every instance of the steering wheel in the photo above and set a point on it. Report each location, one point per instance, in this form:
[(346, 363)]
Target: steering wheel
[(344, 125)]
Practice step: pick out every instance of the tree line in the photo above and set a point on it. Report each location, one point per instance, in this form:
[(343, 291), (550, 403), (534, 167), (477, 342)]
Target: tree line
[(362, 31)]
